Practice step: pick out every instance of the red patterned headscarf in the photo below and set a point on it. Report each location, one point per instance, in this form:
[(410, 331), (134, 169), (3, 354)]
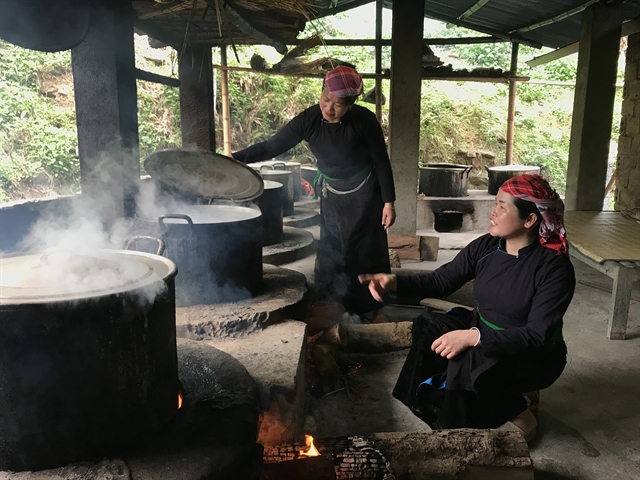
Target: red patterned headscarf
[(535, 189), (343, 82)]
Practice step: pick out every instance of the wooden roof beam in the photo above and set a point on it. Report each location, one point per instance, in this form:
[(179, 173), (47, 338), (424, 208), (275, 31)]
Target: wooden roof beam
[(370, 42), (474, 8), (628, 28)]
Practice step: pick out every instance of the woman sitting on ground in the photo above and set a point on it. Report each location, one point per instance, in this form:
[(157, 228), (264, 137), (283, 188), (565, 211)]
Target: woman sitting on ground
[(470, 369)]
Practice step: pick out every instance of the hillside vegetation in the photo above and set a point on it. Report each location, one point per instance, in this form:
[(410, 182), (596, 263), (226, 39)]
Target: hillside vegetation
[(38, 144)]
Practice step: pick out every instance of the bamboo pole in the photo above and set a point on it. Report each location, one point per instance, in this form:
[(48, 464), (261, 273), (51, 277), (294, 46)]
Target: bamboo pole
[(511, 111), (378, 91), (224, 87)]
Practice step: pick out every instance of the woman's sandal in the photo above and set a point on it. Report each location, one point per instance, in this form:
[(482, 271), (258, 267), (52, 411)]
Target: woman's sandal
[(513, 427)]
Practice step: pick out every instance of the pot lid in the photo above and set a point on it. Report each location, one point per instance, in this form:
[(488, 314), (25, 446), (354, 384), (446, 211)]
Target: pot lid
[(449, 166), (204, 174), (62, 276)]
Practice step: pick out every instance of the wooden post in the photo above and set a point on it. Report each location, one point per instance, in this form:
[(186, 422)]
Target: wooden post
[(196, 98), (378, 60), (511, 112), (224, 87)]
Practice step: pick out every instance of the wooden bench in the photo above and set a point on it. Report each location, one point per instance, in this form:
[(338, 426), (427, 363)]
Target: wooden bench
[(609, 243)]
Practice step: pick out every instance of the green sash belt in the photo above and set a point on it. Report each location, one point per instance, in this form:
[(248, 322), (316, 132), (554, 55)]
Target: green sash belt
[(556, 337)]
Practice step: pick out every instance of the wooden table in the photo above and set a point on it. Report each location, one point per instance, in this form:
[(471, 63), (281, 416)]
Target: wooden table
[(610, 243)]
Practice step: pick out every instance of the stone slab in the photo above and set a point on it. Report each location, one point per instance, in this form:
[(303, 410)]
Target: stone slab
[(302, 218), (284, 297), (308, 202), (274, 357), (296, 244)]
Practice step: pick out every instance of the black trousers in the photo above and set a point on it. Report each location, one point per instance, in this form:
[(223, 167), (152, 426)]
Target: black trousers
[(492, 399), (352, 242)]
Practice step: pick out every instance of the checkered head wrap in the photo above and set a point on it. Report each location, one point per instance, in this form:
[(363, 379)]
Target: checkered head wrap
[(343, 82), (535, 189)]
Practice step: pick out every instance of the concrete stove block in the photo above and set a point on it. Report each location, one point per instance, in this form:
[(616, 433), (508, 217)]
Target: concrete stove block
[(275, 359)]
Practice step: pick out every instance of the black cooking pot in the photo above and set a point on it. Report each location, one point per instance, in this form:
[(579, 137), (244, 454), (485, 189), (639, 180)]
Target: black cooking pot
[(284, 177), (88, 361), (444, 180), (270, 203), (217, 248), (499, 175)]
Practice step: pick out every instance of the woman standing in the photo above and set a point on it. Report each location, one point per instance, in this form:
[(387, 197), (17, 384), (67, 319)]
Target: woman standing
[(354, 182), (471, 369)]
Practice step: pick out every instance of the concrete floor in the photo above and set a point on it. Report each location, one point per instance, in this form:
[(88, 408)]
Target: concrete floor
[(589, 423)]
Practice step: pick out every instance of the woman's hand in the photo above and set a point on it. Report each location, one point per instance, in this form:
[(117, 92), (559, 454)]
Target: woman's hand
[(388, 215), (454, 343), (379, 283)]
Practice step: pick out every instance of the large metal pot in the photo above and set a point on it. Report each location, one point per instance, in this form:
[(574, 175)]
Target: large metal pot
[(217, 248), (88, 364), (270, 203), (293, 167), (286, 179), (444, 180), (499, 175)]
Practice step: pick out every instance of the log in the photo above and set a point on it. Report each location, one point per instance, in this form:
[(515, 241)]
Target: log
[(369, 338), (414, 247), (444, 454), (459, 453)]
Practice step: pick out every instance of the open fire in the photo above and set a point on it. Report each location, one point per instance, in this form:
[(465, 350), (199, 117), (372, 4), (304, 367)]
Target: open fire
[(179, 400), (311, 451)]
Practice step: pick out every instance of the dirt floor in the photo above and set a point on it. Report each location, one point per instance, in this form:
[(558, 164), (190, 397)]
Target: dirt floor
[(589, 419)]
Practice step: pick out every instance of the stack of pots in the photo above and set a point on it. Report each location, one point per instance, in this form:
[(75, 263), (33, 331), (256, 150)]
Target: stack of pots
[(294, 167)]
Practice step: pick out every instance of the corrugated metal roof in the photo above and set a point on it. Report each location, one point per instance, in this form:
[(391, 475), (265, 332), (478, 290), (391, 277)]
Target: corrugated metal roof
[(504, 18)]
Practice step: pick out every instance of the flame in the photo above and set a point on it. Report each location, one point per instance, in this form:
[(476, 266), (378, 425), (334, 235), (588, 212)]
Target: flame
[(179, 400), (312, 450)]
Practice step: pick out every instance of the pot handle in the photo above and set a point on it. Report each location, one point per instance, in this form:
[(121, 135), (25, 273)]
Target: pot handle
[(275, 166), (178, 216), (131, 241)]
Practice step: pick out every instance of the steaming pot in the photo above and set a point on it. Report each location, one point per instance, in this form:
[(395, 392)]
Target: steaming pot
[(218, 250), (88, 362)]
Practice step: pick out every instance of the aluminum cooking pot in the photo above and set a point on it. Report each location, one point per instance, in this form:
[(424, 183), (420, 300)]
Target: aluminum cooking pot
[(499, 175), (88, 360), (217, 248), (444, 180), (294, 167)]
